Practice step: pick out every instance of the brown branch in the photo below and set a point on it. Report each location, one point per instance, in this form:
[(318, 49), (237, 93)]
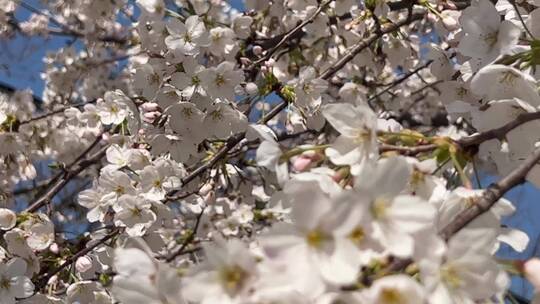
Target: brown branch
[(357, 48), (229, 145), (64, 30), (70, 171), (43, 282), (491, 195), (498, 133), (51, 113), (288, 36), (237, 138), (400, 80), (188, 240)]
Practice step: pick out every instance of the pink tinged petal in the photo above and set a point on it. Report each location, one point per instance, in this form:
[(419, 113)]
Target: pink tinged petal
[(302, 163)]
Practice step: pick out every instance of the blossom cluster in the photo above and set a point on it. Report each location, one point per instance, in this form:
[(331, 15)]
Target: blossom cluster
[(294, 151)]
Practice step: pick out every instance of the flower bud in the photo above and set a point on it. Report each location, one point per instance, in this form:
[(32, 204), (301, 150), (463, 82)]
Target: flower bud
[(150, 106), (302, 163), (251, 88), (150, 116), (8, 219), (270, 62), (257, 50), (54, 248), (83, 264)]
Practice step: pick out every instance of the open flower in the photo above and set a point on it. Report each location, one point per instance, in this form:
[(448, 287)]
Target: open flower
[(13, 283), (486, 37), (357, 126), (187, 38)]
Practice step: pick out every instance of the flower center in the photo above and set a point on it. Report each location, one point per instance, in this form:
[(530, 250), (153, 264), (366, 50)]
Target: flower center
[(5, 283), (187, 112), (362, 136), (220, 80), (491, 38), (391, 296), (450, 275), (315, 238), (357, 235), (508, 78), (232, 278), (379, 207)]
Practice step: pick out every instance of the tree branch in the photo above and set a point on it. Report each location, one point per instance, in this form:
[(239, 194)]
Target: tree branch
[(288, 36), (498, 133), (491, 195), (360, 46), (70, 171), (409, 151), (43, 282), (188, 240)]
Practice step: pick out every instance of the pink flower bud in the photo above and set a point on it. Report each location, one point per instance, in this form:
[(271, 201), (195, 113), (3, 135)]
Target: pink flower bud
[(150, 116), (431, 17), (302, 163), (150, 106), (257, 50), (83, 264), (450, 5), (54, 248), (270, 62)]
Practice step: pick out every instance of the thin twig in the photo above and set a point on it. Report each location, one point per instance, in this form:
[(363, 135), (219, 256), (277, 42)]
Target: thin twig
[(70, 172), (409, 151), (498, 133), (43, 282), (58, 111), (188, 240), (357, 48), (289, 35), (513, 2)]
